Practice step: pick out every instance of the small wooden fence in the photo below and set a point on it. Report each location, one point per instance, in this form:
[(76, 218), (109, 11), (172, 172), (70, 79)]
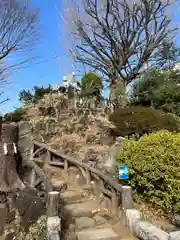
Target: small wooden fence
[(120, 196), (38, 176)]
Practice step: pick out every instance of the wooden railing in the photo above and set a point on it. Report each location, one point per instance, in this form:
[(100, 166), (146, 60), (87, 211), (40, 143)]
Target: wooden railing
[(38, 176), (120, 196)]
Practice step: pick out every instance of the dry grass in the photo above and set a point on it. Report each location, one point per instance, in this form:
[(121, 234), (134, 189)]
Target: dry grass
[(31, 112)]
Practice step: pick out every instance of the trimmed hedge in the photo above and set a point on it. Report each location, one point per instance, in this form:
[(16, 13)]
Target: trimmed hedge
[(154, 168), (132, 120)]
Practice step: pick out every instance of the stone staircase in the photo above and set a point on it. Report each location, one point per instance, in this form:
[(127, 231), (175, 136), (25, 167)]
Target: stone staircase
[(83, 215)]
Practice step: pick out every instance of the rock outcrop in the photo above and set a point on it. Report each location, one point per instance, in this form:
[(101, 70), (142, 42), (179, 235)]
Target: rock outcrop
[(82, 134)]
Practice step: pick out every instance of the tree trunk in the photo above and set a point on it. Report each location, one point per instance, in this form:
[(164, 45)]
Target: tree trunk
[(113, 93), (117, 93), (9, 178)]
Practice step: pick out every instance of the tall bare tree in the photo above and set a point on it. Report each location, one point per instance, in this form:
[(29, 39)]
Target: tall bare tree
[(117, 37), (18, 35)]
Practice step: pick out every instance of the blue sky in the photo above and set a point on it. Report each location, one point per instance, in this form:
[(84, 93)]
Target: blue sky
[(51, 70)]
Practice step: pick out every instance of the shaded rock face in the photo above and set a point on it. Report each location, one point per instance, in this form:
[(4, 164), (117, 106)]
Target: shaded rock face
[(110, 164), (24, 143), (30, 206), (10, 133), (9, 178), (25, 200), (24, 128), (91, 157), (175, 219)]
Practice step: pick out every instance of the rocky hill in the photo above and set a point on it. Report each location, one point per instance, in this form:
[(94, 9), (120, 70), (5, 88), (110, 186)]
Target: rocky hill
[(80, 133)]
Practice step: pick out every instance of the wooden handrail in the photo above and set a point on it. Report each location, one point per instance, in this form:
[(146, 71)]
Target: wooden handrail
[(107, 179), (41, 174), (36, 152)]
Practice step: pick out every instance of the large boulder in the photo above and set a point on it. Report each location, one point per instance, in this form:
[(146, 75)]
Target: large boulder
[(30, 206)]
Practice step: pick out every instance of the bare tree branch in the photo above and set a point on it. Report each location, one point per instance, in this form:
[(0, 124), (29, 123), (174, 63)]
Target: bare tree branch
[(7, 99), (18, 35), (118, 37), (18, 27)]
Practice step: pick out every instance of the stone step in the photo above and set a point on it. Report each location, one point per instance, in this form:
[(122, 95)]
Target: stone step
[(99, 220), (72, 196), (85, 209), (86, 222), (99, 234)]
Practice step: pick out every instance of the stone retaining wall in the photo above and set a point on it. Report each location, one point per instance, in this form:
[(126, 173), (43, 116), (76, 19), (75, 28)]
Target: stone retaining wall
[(146, 230)]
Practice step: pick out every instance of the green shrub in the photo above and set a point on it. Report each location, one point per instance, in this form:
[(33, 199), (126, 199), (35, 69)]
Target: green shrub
[(154, 168), (91, 85), (142, 120), (15, 116), (34, 95), (159, 89)]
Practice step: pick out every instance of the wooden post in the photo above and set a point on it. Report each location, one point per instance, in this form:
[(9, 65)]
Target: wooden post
[(49, 157), (31, 152), (75, 102), (47, 128), (57, 113), (88, 177), (101, 184), (33, 178), (114, 203), (65, 166), (98, 187), (53, 220), (41, 174), (53, 204), (126, 197)]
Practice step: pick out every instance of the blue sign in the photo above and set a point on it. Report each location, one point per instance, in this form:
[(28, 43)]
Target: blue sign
[(123, 172)]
